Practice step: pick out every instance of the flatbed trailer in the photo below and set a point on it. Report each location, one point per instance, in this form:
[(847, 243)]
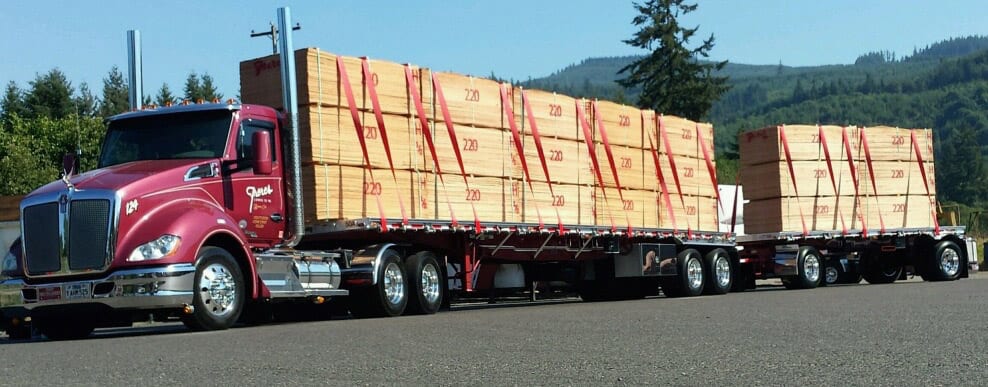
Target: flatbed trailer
[(818, 258)]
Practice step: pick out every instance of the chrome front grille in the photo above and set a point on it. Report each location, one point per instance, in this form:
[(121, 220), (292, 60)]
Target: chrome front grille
[(71, 235)]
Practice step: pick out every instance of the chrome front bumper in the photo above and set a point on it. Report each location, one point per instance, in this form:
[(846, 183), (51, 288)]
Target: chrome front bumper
[(147, 288)]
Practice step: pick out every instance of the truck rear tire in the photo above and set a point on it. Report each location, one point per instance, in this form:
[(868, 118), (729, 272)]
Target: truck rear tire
[(219, 291), (387, 298), (945, 263), (808, 264), (689, 279), (717, 265), (425, 283)]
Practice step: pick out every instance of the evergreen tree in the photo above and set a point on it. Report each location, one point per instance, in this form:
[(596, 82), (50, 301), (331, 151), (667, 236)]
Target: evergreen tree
[(672, 78), (116, 98), (193, 88), (208, 90), (164, 96), (13, 102), (85, 102), (50, 96)]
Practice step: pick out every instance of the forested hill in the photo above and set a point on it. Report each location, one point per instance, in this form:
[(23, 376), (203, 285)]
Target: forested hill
[(943, 86)]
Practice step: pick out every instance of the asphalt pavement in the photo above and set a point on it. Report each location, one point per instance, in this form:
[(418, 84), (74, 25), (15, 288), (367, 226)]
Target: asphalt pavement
[(902, 334)]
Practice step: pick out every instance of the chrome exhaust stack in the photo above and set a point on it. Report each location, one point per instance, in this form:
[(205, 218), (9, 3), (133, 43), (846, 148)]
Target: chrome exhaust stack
[(289, 96)]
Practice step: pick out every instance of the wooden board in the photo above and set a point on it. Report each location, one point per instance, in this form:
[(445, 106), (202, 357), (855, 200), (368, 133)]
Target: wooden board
[(765, 145), (340, 192), (698, 213), (896, 178), (694, 176), (771, 180), (899, 211), (825, 213), (887, 143), (562, 203), (555, 114), (318, 78), (682, 137), (484, 194), (471, 100), (562, 159), (628, 162), (329, 136), (621, 124), (621, 209), (484, 151), (10, 208)]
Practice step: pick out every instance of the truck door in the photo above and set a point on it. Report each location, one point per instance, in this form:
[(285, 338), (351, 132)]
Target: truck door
[(257, 200)]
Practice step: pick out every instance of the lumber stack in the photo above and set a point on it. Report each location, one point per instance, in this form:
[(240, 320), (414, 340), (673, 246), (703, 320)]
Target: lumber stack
[(832, 178), (10, 208), (443, 146)]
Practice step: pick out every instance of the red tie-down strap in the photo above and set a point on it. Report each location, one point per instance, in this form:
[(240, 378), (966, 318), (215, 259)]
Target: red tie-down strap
[(792, 176), (675, 172), (519, 146), (833, 180), (348, 91), (871, 173), (610, 160), (372, 90), (588, 139), (538, 148), (854, 178), (424, 123), (710, 164), (452, 138), (661, 176), (926, 183)]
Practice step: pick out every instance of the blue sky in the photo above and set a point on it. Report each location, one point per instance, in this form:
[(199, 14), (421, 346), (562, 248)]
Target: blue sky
[(511, 38)]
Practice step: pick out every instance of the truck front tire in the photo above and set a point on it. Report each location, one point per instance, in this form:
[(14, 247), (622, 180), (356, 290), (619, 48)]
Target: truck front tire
[(219, 291)]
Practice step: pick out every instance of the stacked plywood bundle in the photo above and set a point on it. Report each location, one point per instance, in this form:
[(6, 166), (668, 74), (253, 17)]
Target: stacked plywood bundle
[(826, 181), (10, 209), (340, 181), (560, 191), (445, 146)]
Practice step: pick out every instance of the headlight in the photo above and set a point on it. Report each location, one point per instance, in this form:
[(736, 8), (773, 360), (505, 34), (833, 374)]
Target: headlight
[(159, 248)]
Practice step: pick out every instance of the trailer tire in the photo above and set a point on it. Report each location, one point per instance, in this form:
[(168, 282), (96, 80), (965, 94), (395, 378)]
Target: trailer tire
[(945, 263), (881, 272), (689, 279), (720, 273), (219, 291), (63, 328), (808, 263), (389, 297), (832, 274), (425, 283)]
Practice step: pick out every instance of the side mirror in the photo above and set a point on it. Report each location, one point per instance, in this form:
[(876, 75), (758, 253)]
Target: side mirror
[(262, 153)]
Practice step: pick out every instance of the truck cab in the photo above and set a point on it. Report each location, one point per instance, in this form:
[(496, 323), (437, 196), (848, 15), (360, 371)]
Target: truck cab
[(175, 186)]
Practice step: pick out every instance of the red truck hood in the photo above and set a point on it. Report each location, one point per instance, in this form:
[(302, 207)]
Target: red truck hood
[(131, 179)]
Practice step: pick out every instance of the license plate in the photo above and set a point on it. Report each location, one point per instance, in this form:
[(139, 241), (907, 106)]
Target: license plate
[(50, 293), (77, 291)]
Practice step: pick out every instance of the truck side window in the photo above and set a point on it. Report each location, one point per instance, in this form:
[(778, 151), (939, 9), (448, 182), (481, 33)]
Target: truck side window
[(245, 138)]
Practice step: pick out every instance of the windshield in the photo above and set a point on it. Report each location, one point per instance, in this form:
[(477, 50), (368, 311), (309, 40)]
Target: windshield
[(189, 135)]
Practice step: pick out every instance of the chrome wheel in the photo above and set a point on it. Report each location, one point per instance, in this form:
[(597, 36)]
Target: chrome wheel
[(950, 262), (218, 290), (430, 283), (394, 283), (722, 270), (694, 273), (811, 267)]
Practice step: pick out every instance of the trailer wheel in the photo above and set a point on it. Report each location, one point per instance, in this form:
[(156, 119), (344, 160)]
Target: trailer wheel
[(808, 263), (719, 272), (945, 263), (831, 274), (62, 328), (688, 280), (881, 271), (219, 291), (424, 283), (386, 299)]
